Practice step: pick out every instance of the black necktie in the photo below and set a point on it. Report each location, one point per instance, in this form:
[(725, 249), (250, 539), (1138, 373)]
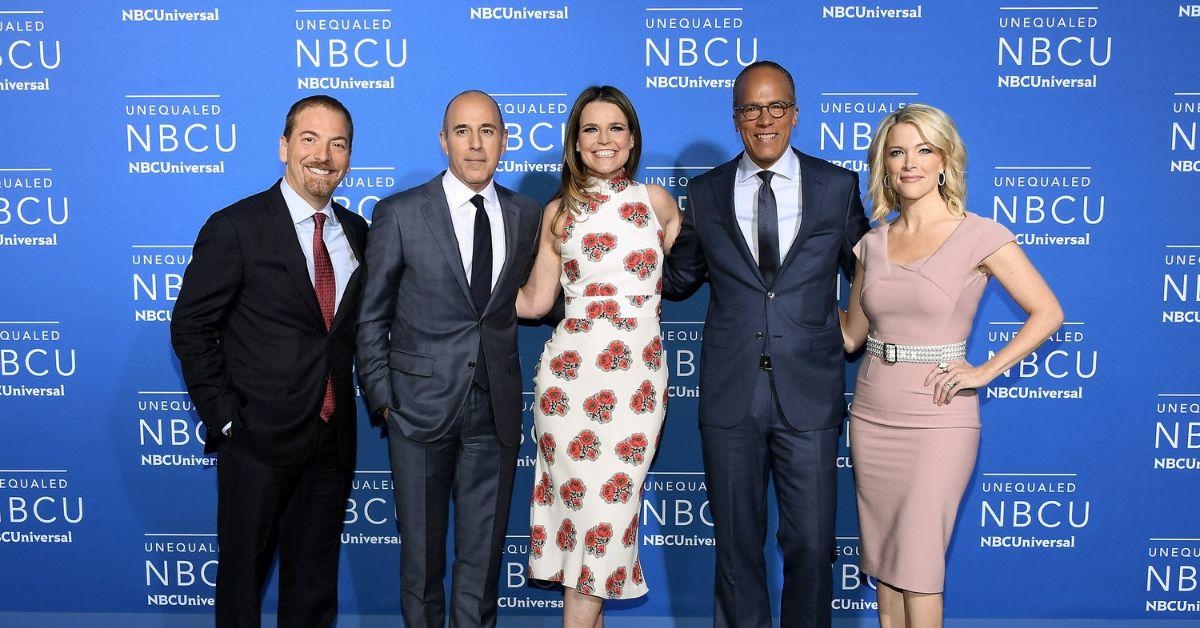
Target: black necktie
[(768, 228), (481, 257)]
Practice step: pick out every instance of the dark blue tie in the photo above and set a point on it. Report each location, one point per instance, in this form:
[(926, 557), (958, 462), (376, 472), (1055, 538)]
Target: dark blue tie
[(481, 280), (481, 257), (768, 228)]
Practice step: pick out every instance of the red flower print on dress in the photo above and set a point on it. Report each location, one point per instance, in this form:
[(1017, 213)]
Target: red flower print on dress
[(537, 540), (662, 240), (618, 488), (577, 325), (585, 446), (632, 449), (595, 245), (546, 446), (565, 539), (543, 491), (587, 582), (641, 263), (572, 492), (652, 354), (568, 228), (566, 365), (624, 324), (557, 577), (607, 308), (637, 572), (620, 182), (555, 401), (658, 286), (630, 536), (644, 399), (615, 583), (595, 541), (637, 300), (571, 270), (599, 406), (599, 290), (616, 356), (592, 204), (637, 213)]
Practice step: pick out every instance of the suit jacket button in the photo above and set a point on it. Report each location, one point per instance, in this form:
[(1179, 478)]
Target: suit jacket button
[(471, 364), (770, 295), (758, 336)]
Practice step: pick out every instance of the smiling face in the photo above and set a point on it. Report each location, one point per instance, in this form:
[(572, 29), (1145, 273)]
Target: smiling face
[(473, 137), (317, 155), (604, 139), (912, 164), (767, 137)]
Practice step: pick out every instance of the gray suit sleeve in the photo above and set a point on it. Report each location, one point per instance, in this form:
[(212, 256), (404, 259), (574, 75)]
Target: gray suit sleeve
[(385, 266)]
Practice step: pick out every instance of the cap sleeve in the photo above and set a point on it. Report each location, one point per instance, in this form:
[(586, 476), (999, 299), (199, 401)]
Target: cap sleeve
[(860, 251), (989, 237)]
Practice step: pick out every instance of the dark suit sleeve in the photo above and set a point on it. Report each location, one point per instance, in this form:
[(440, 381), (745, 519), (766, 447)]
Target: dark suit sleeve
[(210, 287), (385, 265), (686, 268), (856, 226)]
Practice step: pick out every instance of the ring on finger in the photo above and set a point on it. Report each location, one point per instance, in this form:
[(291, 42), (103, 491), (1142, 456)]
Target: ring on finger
[(944, 367), (949, 385)]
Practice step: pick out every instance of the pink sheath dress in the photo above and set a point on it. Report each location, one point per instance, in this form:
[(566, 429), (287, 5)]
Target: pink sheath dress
[(912, 459)]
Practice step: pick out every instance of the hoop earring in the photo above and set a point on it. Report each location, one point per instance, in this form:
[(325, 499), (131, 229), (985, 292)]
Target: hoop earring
[(941, 179), (886, 186)]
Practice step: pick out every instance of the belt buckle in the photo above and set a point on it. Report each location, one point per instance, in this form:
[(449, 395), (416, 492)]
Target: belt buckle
[(889, 353), (764, 362)]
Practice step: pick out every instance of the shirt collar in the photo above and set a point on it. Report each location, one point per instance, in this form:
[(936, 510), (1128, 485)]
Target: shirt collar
[(300, 209), (787, 166), (458, 194)]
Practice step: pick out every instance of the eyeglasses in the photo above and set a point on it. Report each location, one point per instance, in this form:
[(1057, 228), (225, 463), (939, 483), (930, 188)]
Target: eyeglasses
[(754, 112)]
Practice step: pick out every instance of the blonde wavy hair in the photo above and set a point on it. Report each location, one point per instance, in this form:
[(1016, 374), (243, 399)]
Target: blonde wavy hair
[(939, 131)]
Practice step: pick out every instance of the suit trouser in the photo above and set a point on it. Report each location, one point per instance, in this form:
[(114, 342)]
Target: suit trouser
[(737, 461), (298, 510), (470, 464)]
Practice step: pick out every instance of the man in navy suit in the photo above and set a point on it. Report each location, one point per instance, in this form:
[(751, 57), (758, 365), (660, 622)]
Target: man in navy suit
[(437, 359), (768, 232)]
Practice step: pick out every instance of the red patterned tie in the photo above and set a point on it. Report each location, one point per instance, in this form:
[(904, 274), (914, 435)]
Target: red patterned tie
[(326, 296)]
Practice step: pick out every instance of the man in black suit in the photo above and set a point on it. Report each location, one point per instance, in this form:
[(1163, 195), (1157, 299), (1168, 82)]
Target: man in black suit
[(769, 231), (437, 358), (264, 331)]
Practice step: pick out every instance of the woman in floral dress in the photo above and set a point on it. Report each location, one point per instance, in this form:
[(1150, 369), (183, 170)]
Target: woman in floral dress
[(601, 382)]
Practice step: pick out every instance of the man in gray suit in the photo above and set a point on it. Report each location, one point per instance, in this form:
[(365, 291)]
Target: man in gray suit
[(437, 359)]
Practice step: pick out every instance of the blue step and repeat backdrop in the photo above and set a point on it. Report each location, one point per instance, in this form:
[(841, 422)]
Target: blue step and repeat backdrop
[(127, 124)]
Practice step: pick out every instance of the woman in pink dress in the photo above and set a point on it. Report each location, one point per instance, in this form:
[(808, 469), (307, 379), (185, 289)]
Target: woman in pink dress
[(915, 417), (601, 383)]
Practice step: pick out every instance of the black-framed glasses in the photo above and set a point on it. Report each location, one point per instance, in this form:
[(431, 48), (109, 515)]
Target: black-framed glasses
[(754, 112)]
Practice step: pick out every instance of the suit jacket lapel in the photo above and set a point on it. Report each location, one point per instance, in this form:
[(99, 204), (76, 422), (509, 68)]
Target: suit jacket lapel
[(812, 190), (283, 232), (722, 189), (512, 222), (354, 284), (437, 215)]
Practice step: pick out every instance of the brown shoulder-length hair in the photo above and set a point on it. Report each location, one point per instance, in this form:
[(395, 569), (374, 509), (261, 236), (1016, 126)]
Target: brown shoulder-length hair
[(573, 189)]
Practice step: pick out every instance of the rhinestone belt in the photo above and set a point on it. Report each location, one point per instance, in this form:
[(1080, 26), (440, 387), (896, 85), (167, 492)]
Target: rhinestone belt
[(922, 354)]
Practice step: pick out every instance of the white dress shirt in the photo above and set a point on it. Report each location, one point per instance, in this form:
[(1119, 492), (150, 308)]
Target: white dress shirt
[(340, 253), (462, 215), (785, 184)]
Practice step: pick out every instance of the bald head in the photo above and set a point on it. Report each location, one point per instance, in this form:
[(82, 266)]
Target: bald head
[(471, 99)]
